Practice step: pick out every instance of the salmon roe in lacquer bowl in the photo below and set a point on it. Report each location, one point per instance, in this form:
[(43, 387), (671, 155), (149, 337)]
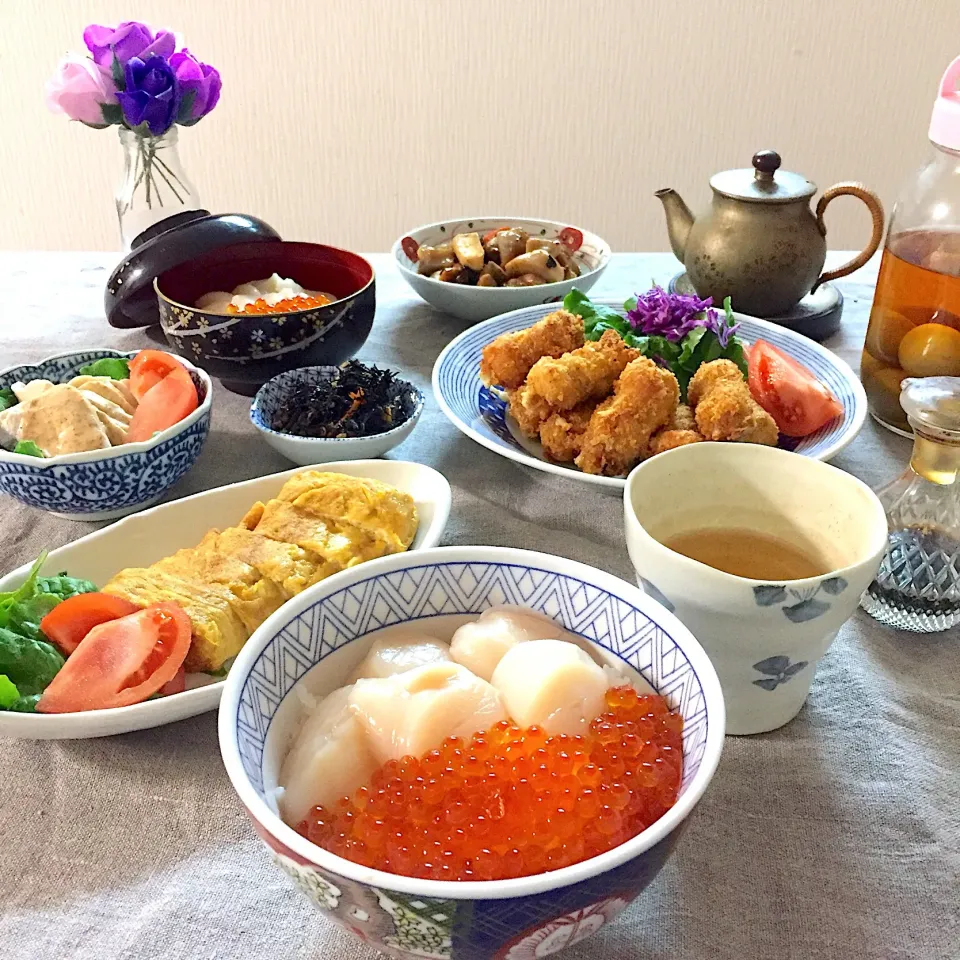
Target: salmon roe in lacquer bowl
[(571, 868)]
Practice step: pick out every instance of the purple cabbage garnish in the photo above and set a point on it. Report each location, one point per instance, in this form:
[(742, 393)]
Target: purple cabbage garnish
[(657, 313)]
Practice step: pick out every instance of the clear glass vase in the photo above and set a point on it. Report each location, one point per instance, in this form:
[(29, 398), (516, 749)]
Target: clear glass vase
[(154, 185)]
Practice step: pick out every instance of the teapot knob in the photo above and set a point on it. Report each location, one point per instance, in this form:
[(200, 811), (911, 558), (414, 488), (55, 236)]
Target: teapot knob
[(766, 163)]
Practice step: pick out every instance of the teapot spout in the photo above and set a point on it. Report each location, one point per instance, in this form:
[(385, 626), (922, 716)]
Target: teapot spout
[(679, 220)]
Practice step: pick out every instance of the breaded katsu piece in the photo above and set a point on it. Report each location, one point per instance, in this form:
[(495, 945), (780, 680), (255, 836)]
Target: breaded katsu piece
[(562, 433), (678, 431), (644, 399), (528, 409), (587, 373), (508, 359), (724, 407)]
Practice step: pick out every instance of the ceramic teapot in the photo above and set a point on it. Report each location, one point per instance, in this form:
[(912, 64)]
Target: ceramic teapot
[(760, 243)]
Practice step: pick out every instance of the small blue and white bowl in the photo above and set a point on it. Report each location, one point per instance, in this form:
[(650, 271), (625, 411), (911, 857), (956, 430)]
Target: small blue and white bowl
[(103, 484), (321, 635), (309, 450)]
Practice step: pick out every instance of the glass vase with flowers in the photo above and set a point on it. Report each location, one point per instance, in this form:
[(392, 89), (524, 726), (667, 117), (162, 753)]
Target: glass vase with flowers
[(135, 78)]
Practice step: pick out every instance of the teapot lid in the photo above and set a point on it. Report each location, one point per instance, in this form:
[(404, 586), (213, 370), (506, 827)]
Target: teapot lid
[(765, 183)]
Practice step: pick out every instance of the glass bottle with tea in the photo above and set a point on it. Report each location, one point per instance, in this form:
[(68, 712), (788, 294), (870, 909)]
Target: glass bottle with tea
[(918, 585), (914, 328)]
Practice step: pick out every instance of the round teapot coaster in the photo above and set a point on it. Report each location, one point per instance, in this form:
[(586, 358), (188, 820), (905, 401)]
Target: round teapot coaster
[(816, 316)]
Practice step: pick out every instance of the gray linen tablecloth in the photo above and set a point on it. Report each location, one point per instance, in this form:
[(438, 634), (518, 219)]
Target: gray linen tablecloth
[(836, 836)]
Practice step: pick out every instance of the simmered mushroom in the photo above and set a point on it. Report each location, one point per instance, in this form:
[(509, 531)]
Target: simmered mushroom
[(431, 259), (511, 243), (486, 280), (525, 280), (450, 274), (541, 263), (496, 272)]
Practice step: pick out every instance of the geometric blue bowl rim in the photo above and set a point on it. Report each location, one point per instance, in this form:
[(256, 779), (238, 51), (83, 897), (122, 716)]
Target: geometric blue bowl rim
[(614, 587)]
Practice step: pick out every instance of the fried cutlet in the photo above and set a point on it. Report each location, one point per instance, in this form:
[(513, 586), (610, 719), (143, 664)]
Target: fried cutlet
[(508, 359), (586, 373), (644, 399), (724, 407), (562, 433)]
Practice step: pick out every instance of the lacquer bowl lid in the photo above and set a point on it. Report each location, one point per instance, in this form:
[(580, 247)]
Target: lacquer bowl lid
[(130, 300)]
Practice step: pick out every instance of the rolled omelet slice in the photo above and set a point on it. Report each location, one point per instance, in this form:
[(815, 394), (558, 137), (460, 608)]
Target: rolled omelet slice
[(286, 564), (218, 632), (376, 508)]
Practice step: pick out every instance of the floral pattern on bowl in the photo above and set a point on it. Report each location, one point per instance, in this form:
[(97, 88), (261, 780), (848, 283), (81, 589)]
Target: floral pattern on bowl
[(516, 919), (103, 484), (803, 605)]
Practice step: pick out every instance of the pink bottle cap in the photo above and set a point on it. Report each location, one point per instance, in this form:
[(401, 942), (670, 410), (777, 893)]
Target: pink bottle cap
[(945, 122)]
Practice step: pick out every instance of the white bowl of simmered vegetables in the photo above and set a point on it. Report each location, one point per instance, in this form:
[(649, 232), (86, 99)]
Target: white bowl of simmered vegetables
[(477, 268), (351, 412)]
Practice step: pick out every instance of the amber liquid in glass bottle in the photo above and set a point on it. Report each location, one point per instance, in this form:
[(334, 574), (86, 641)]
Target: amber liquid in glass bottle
[(914, 328)]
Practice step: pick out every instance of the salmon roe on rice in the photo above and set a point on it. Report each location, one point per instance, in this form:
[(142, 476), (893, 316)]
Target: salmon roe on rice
[(282, 306), (512, 802)]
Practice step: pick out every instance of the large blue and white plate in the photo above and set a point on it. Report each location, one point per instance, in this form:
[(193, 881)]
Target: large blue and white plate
[(481, 413)]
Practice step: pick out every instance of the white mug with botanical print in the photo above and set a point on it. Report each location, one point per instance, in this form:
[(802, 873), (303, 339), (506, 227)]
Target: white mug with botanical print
[(763, 554)]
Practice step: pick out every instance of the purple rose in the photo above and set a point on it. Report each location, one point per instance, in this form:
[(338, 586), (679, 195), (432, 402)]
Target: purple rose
[(199, 86), (129, 39), (151, 96)]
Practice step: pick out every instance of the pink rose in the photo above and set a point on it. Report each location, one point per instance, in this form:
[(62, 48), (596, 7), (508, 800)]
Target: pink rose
[(79, 89)]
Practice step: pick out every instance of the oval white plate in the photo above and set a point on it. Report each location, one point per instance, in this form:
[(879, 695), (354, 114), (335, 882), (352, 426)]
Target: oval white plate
[(481, 413), (149, 536)]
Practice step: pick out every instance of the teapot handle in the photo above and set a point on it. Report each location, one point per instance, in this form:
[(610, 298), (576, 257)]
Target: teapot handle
[(875, 207)]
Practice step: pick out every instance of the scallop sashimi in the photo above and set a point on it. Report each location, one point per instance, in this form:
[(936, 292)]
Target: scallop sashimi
[(551, 684), (412, 712), (480, 645), (329, 759), (389, 657)]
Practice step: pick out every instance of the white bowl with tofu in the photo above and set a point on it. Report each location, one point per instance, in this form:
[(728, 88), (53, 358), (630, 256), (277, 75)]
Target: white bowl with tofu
[(479, 267)]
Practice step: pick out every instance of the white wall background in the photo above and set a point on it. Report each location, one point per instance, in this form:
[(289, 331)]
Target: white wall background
[(349, 121)]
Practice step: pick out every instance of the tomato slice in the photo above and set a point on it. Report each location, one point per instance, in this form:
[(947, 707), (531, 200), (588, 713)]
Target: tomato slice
[(410, 247), (490, 234), (163, 405), (148, 368), (71, 620), (121, 662), (798, 402), (177, 685), (571, 238)]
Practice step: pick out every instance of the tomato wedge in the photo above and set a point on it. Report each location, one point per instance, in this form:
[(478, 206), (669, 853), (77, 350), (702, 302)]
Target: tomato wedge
[(163, 405), (177, 685), (571, 238), (70, 621), (121, 662), (410, 247), (148, 368), (798, 402)]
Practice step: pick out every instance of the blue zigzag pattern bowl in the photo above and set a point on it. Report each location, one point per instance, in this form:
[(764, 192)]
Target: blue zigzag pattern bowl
[(103, 484), (481, 413), (510, 919)]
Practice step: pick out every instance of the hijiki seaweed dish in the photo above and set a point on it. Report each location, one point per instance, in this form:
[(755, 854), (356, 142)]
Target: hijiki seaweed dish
[(352, 400)]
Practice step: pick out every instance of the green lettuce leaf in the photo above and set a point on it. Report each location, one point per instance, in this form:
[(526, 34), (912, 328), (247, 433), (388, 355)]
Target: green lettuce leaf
[(596, 316), (28, 448), (7, 398), (29, 664), (27, 704), (117, 368), (9, 694)]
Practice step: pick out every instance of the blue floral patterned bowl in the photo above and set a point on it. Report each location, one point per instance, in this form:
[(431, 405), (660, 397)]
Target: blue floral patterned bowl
[(103, 484), (507, 919)]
